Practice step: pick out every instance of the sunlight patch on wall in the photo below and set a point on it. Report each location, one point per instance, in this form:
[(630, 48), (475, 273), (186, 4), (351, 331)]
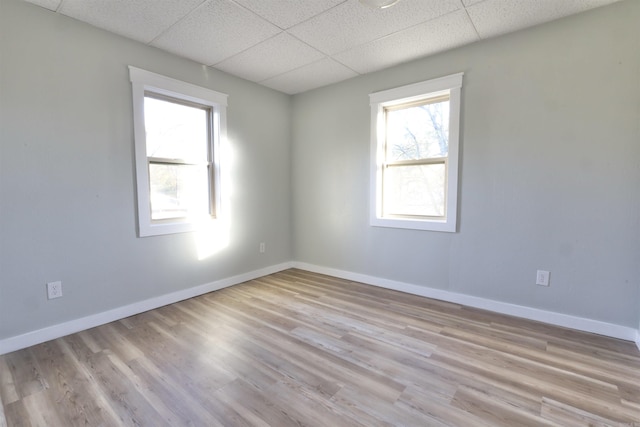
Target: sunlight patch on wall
[(214, 236), (211, 238)]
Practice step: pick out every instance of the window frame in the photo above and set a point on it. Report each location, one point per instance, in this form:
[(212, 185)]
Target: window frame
[(450, 85), (145, 82)]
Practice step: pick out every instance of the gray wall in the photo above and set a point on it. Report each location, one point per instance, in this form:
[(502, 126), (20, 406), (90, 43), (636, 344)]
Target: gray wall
[(67, 203), (550, 174)]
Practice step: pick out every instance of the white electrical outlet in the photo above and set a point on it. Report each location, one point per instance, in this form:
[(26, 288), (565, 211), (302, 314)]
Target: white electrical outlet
[(54, 289), (263, 248), (542, 278)]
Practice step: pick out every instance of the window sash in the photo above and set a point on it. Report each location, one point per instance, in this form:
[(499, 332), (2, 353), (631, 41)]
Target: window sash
[(210, 186), (145, 83), (423, 162), (447, 88), (208, 162), (408, 105)]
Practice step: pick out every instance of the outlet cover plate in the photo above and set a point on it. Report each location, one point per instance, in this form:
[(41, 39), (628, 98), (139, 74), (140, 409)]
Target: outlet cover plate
[(542, 278), (54, 290)]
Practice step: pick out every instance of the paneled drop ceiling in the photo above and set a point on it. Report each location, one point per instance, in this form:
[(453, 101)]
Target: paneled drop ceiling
[(298, 45)]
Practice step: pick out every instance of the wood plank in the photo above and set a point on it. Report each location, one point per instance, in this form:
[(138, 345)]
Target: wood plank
[(305, 349)]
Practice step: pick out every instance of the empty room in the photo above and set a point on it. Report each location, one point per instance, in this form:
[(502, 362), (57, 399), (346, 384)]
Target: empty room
[(319, 213)]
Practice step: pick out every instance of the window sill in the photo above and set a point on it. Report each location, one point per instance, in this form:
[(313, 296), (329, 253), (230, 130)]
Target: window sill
[(412, 224)]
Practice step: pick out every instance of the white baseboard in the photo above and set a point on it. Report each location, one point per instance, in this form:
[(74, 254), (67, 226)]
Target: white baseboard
[(28, 339), (553, 318), (18, 342)]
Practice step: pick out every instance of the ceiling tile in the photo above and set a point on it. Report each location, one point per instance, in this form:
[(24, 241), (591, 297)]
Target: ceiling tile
[(215, 31), (317, 74), (351, 23), (141, 20), (495, 17), (274, 56), (287, 13), (440, 34), (283, 43)]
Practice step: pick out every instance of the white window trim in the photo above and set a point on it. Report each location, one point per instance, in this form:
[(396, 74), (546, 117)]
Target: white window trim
[(452, 85), (141, 81)]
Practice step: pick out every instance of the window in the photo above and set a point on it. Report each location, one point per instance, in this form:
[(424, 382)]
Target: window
[(414, 155), (178, 128)]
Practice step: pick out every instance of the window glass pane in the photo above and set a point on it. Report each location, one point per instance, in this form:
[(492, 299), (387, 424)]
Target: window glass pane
[(175, 131), (418, 132), (178, 191), (414, 190)]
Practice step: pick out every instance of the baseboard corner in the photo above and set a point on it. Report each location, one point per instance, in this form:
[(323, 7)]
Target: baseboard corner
[(18, 342), (525, 312)]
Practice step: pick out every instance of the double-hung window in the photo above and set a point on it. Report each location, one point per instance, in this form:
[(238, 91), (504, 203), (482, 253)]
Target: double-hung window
[(414, 152), (178, 128)]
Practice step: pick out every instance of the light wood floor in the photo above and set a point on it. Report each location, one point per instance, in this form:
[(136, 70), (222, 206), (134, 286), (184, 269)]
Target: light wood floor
[(297, 348)]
